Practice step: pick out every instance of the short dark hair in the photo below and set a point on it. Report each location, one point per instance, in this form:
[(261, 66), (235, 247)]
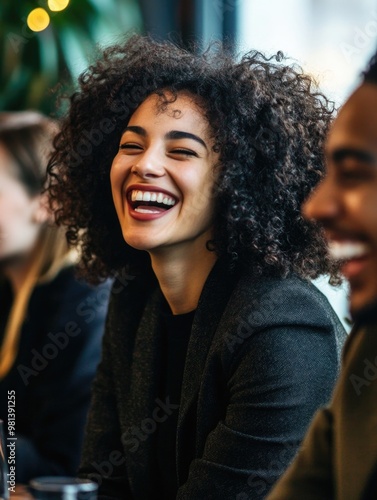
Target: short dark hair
[(370, 73), (268, 120)]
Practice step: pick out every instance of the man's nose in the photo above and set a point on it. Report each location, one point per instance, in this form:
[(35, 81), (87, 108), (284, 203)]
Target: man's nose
[(323, 203)]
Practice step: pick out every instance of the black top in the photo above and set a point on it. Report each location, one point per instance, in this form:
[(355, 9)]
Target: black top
[(50, 380), (175, 336)]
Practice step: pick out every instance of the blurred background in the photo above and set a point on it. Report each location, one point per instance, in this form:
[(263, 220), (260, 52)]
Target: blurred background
[(46, 44)]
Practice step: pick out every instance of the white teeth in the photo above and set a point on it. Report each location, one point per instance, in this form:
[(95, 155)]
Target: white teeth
[(347, 250), (137, 195)]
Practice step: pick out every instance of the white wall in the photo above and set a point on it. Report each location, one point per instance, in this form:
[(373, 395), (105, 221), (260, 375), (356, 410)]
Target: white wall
[(332, 39)]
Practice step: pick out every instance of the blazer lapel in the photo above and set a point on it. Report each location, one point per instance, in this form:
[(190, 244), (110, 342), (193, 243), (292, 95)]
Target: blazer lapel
[(142, 397), (215, 295)]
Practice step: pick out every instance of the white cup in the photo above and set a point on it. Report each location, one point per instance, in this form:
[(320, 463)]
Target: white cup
[(63, 488)]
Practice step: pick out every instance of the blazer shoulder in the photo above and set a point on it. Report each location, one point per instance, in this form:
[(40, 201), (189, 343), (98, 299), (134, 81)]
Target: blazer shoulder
[(290, 300)]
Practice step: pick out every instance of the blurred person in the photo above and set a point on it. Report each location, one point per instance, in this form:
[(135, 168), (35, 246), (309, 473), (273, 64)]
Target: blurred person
[(338, 458), (219, 350), (51, 324)]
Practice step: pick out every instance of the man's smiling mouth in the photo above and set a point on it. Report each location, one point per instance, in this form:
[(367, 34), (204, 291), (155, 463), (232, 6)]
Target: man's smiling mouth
[(353, 255), (348, 250)]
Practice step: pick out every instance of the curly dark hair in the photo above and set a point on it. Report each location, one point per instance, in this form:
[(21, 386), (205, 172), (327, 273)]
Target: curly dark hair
[(268, 120)]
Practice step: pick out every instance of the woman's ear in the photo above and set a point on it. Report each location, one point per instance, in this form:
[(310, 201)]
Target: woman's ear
[(42, 212)]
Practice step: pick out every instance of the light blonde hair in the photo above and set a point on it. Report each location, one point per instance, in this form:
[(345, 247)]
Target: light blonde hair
[(28, 137)]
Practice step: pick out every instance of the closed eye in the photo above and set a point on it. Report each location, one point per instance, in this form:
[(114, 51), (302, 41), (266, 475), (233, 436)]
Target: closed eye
[(130, 147), (185, 152), (354, 175)]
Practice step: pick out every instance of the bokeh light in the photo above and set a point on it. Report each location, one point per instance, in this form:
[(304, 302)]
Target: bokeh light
[(57, 5), (38, 19)]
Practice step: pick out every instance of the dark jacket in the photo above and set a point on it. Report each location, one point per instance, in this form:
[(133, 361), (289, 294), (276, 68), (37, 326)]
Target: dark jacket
[(262, 357), (50, 381), (338, 459)]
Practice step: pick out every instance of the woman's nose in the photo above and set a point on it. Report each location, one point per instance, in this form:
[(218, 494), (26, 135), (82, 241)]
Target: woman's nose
[(150, 164)]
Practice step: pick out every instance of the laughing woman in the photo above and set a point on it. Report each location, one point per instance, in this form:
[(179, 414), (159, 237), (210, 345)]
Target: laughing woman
[(186, 174)]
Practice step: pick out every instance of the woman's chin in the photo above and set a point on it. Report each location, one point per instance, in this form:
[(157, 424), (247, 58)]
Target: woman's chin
[(139, 243)]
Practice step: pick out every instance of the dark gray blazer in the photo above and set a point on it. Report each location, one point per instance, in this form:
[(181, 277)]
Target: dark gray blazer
[(263, 356)]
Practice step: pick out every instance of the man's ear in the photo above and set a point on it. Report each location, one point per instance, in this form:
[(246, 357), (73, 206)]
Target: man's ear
[(42, 212)]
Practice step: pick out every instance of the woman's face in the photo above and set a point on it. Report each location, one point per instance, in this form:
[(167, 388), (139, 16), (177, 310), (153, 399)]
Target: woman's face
[(162, 177), (19, 226)]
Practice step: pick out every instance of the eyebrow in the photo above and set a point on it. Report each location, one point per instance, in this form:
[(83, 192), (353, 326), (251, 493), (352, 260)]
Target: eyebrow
[(173, 134), (137, 130), (177, 134), (342, 154)]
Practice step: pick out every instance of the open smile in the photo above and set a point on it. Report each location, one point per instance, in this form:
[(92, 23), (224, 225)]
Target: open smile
[(354, 256), (149, 203), (347, 249)]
